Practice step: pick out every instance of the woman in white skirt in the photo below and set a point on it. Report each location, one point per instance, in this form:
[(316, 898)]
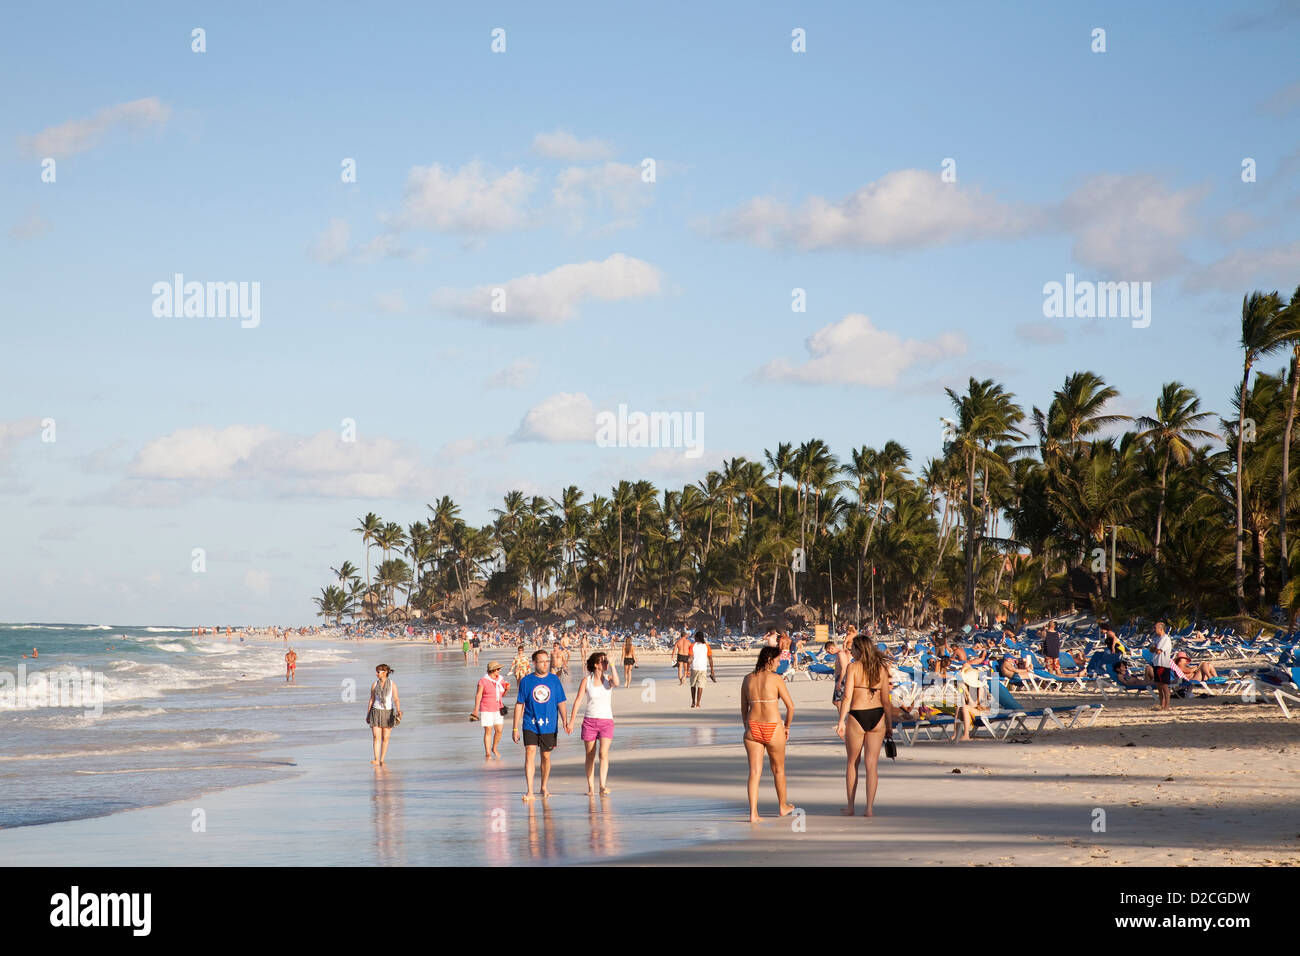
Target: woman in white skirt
[(489, 707), (385, 711)]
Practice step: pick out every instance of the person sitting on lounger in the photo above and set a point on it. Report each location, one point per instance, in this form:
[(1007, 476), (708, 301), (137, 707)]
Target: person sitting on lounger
[(1015, 667), (974, 701), (1080, 661), (1129, 679), (1202, 671)]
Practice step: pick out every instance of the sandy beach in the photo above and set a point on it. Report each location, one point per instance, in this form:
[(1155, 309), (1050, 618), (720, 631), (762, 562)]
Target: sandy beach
[(1215, 782)]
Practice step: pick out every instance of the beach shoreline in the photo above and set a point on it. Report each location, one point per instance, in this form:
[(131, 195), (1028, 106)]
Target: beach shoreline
[(1213, 782)]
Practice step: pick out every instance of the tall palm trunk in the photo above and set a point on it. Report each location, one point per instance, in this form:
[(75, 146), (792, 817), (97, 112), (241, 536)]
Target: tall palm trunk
[(1284, 485), (1259, 571), (1160, 512), (1239, 565), (968, 604)]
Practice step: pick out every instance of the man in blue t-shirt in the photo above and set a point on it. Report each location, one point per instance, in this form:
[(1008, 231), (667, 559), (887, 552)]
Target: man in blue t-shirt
[(541, 707)]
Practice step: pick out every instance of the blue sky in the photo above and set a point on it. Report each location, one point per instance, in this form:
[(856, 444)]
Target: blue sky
[(775, 170)]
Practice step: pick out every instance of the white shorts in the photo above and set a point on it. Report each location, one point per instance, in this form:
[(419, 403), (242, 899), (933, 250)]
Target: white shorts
[(494, 719)]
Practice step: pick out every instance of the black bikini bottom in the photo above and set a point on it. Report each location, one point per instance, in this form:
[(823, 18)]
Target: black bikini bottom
[(867, 719)]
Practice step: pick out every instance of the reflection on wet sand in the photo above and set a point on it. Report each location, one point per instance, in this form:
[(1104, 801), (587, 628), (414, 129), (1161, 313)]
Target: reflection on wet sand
[(496, 843), (546, 844), (604, 827), (390, 827)]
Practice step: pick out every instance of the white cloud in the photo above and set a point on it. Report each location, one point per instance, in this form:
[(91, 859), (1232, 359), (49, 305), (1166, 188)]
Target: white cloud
[(332, 244), (467, 200), (1129, 226), (564, 145), (611, 187), (518, 374), (555, 296), (904, 208), (1250, 268), (77, 136), (257, 459), (854, 352), (204, 452), (563, 417)]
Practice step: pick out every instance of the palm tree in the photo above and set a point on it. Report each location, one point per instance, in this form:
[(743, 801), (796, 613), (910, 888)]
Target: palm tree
[(1291, 318), (986, 415), (1080, 401), (1262, 333), (780, 463), (369, 528), (1169, 433), (345, 572)]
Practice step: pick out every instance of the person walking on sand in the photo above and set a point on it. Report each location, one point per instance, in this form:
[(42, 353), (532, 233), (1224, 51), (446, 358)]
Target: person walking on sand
[(519, 667), (489, 709), (701, 666), (384, 712), (682, 648), (841, 663), (866, 700), (464, 644), (761, 694), (629, 659), (598, 723), (540, 707), (290, 665)]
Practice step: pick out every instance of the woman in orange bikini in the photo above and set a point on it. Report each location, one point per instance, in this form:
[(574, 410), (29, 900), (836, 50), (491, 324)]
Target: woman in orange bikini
[(761, 695), (866, 700)]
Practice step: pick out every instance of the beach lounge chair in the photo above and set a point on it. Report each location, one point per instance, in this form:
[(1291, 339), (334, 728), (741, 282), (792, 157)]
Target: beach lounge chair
[(1280, 692)]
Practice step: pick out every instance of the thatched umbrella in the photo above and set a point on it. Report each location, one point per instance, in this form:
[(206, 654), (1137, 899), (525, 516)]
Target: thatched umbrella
[(803, 613)]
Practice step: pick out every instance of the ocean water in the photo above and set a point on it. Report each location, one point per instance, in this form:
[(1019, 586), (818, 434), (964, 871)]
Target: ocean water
[(110, 718), (177, 718)]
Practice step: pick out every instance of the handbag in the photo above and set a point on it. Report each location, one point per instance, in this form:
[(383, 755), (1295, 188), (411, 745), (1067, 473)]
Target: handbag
[(891, 749)]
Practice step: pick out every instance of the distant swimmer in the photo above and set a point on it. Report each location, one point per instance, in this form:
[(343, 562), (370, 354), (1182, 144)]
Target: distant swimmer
[(34, 653), (290, 665)]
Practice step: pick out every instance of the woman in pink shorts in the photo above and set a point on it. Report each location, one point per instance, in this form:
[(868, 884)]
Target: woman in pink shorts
[(598, 723)]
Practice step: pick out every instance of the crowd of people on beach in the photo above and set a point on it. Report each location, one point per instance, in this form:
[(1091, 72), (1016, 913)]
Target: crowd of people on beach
[(861, 690)]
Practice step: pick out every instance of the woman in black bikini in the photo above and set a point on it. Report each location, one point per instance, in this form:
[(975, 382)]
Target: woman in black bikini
[(866, 700), (629, 660)]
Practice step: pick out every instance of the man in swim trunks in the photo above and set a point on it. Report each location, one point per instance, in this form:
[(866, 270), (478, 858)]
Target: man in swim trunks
[(682, 648), (701, 665), (290, 665), (541, 708)]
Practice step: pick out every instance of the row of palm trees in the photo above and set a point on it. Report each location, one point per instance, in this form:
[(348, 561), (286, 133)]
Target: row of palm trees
[(1023, 511)]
